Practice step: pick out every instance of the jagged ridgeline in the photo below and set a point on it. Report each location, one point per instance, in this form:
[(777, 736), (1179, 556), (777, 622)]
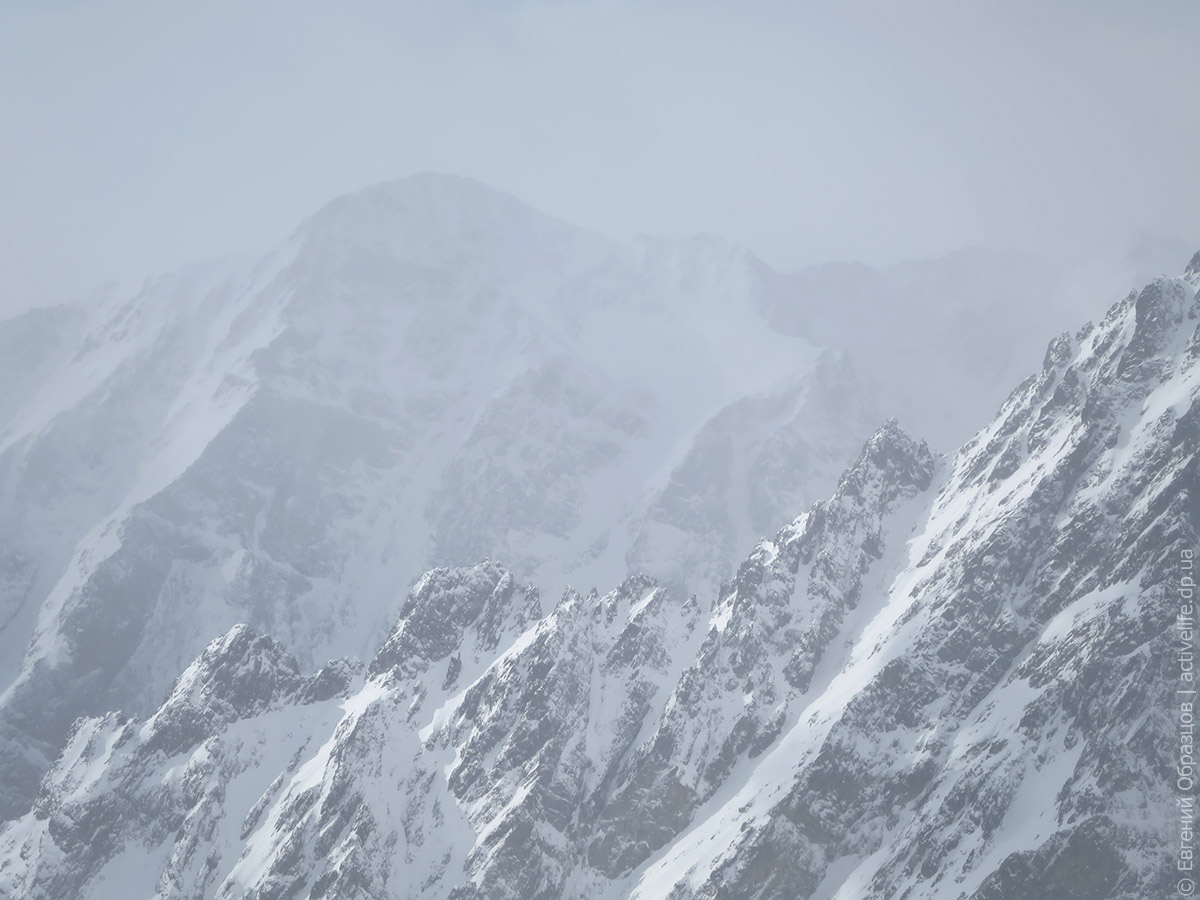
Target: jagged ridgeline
[(430, 373), (949, 679)]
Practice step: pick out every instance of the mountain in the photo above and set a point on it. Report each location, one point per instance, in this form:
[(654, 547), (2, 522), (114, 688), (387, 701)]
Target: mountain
[(951, 678), (427, 373)]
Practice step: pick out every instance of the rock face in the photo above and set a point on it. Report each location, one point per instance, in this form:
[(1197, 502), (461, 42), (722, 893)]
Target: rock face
[(949, 679)]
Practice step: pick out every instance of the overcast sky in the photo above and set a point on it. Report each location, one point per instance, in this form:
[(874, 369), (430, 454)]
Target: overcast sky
[(136, 134)]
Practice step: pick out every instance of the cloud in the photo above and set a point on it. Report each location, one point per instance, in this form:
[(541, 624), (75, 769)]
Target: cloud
[(139, 135)]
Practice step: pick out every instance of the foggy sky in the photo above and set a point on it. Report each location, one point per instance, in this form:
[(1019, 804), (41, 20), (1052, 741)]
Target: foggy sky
[(137, 135)]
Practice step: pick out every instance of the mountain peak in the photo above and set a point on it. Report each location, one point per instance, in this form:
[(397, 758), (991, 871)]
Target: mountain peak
[(432, 189), (444, 605), (893, 451), (1192, 273), (238, 662), (441, 223), (1159, 309), (433, 203), (240, 674)]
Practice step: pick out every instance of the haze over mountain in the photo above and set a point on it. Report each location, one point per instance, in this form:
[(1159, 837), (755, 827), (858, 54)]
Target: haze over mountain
[(430, 372), (939, 678), (427, 372), (144, 135)]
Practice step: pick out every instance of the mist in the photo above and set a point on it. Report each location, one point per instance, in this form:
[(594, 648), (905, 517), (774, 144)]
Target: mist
[(597, 450), (138, 136)]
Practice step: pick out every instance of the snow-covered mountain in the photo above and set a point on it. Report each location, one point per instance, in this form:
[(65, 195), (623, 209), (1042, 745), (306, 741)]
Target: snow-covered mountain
[(945, 680), (427, 373)]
